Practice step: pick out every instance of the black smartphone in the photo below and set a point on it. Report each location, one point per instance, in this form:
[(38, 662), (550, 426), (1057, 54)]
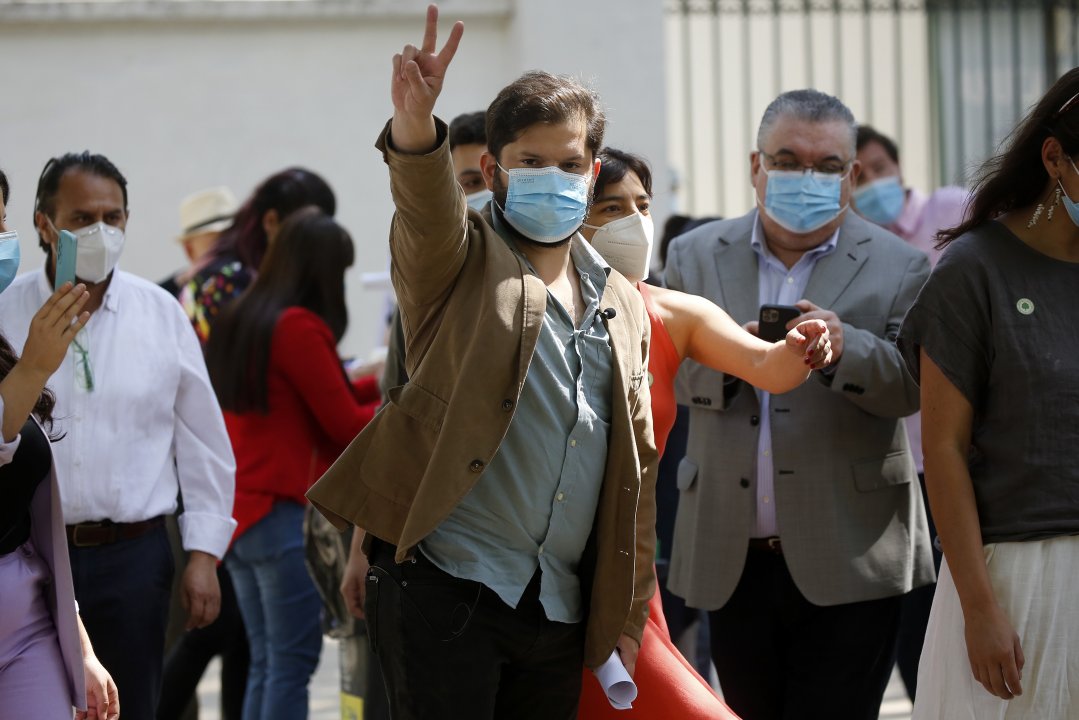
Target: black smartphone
[(773, 321)]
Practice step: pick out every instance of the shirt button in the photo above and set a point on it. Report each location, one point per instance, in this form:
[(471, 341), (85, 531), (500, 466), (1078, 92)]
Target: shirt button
[(754, 421), (540, 549), (573, 443), (766, 499), (790, 280), (507, 404), (560, 497), (476, 466), (767, 453)]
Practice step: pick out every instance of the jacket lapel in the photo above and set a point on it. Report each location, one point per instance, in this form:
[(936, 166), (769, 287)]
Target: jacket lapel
[(736, 265), (834, 273)]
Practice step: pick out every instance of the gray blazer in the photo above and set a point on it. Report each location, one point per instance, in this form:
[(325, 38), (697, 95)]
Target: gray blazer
[(847, 499)]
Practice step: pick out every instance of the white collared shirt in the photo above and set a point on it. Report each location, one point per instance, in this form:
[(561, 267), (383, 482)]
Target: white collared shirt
[(151, 424)]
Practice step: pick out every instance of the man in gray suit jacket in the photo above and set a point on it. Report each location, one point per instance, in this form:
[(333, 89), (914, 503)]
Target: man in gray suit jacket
[(800, 522)]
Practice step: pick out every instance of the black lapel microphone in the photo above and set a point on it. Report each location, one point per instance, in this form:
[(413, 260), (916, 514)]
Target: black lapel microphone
[(608, 314)]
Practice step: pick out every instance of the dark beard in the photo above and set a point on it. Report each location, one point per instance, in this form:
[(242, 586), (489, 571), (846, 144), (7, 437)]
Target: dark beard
[(499, 197)]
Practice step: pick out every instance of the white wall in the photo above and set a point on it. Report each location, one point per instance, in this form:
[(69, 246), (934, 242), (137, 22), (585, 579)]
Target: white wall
[(185, 95)]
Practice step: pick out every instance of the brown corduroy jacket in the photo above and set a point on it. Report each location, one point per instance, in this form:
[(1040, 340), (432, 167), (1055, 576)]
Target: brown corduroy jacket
[(472, 314)]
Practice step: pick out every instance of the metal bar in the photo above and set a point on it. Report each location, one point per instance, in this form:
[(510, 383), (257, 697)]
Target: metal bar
[(689, 183), (777, 43), (936, 100), (987, 62), (957, 70), (838, 45), (747, 94), (900, 125), (867, 65), (807, 24), (717, 110), (1017, 62), (1050, 16)]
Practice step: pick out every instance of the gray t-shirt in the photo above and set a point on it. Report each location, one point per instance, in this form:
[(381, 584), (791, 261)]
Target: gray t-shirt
[(1001, 320)]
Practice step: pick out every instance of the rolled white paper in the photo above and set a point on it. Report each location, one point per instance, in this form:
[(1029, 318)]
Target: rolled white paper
[(616, 683)]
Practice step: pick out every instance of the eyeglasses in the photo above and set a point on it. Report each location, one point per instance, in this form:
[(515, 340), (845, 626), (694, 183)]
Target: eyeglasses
[(787, 162), (1072, 102), (84, 374)]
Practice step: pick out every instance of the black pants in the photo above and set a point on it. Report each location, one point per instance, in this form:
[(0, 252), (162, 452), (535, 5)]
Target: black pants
[(192, 652), (779, 657), (450, 648), (123, 594)]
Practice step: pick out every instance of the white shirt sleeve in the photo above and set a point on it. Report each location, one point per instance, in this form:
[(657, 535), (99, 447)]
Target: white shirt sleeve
[(7, 449), (205, 465)]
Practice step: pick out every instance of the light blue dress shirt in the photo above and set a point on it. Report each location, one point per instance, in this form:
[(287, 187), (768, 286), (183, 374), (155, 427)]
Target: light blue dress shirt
[(777, 285), (535, 503)]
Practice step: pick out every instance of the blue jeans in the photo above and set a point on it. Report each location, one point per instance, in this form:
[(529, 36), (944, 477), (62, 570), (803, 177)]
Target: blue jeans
[(280, 608)]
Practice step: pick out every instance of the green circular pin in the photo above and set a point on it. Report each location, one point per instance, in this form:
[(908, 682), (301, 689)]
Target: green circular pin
[(1025, 306)]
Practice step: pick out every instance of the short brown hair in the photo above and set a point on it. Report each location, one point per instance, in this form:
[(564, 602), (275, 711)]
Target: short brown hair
[(540, 97)]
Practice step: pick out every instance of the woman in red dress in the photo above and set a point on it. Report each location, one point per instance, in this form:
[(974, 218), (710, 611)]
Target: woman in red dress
[(683, 326)]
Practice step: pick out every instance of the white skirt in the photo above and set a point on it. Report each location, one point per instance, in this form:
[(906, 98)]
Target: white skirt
[(1037, 585)]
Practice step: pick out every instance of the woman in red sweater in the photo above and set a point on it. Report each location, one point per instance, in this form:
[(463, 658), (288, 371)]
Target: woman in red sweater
[(290, 411)]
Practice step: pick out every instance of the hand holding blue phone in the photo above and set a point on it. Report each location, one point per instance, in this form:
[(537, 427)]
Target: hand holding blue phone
[(66, 250)]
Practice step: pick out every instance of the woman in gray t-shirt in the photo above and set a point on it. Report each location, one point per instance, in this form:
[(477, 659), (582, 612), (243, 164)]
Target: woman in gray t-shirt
[(994, 341)]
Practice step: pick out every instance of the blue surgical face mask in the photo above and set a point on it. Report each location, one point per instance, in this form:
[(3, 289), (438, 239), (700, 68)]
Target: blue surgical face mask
[(802, 202), (1070, 205), (880, 201), (478, 199), (546, 205), (9, 258)]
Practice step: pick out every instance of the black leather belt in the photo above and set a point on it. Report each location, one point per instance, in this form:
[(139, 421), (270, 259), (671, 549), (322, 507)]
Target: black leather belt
[(107, 532), (769, 545)]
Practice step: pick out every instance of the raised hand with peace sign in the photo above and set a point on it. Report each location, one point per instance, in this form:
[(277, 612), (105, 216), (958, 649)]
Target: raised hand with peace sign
[(418, 76)]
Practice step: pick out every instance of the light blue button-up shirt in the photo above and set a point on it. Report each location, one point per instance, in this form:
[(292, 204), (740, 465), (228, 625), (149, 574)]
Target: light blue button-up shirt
[(535, 503), (778, 285)]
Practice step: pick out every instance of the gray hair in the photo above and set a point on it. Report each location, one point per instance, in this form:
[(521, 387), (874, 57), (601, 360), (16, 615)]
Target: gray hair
[(810, 106)]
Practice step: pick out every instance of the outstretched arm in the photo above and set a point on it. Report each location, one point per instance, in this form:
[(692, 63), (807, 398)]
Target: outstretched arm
[(418, 76), (702, 331)]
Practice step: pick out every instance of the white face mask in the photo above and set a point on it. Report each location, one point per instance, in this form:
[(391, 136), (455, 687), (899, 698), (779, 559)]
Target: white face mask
[(99, 248), (626, 244)]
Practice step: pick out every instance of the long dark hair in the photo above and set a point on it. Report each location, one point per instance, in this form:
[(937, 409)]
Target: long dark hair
[(1016, 177), (305, 266), (286, 192), (46, 401)]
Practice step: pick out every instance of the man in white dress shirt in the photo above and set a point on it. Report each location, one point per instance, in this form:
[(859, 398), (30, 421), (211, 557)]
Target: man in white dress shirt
[(140, 423)]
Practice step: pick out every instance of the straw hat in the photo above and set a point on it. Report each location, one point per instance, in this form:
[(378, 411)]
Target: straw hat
[(206, 211)]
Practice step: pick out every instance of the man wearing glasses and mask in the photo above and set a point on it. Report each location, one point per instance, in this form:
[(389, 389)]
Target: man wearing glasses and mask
[(801, 522)]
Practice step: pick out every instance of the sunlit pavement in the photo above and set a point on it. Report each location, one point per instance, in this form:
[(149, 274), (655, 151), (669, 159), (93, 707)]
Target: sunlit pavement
[(325, 692)]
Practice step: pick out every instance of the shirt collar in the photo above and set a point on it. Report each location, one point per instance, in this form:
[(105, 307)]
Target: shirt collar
[(756, 241), (111, 301), (584, 256), (913, 206)]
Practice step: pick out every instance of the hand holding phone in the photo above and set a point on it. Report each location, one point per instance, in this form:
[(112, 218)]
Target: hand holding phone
[(66, 250), (772, 325)]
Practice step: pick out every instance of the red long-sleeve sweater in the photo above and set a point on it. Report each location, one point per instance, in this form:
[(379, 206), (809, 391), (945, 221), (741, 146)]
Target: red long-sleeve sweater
[(314, 412)]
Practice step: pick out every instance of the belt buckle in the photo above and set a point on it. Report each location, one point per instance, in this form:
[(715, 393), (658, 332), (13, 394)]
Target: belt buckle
[(775, 545), (84, 526)]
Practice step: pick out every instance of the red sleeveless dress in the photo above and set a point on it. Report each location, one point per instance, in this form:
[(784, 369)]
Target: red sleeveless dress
[(667, 685)]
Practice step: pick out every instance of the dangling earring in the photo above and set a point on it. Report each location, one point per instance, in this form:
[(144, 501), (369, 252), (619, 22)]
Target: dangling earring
[(1056, 201), (1036, 216)]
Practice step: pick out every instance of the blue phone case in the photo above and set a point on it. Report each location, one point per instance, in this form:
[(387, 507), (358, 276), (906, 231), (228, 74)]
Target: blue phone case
[(66, 249)]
